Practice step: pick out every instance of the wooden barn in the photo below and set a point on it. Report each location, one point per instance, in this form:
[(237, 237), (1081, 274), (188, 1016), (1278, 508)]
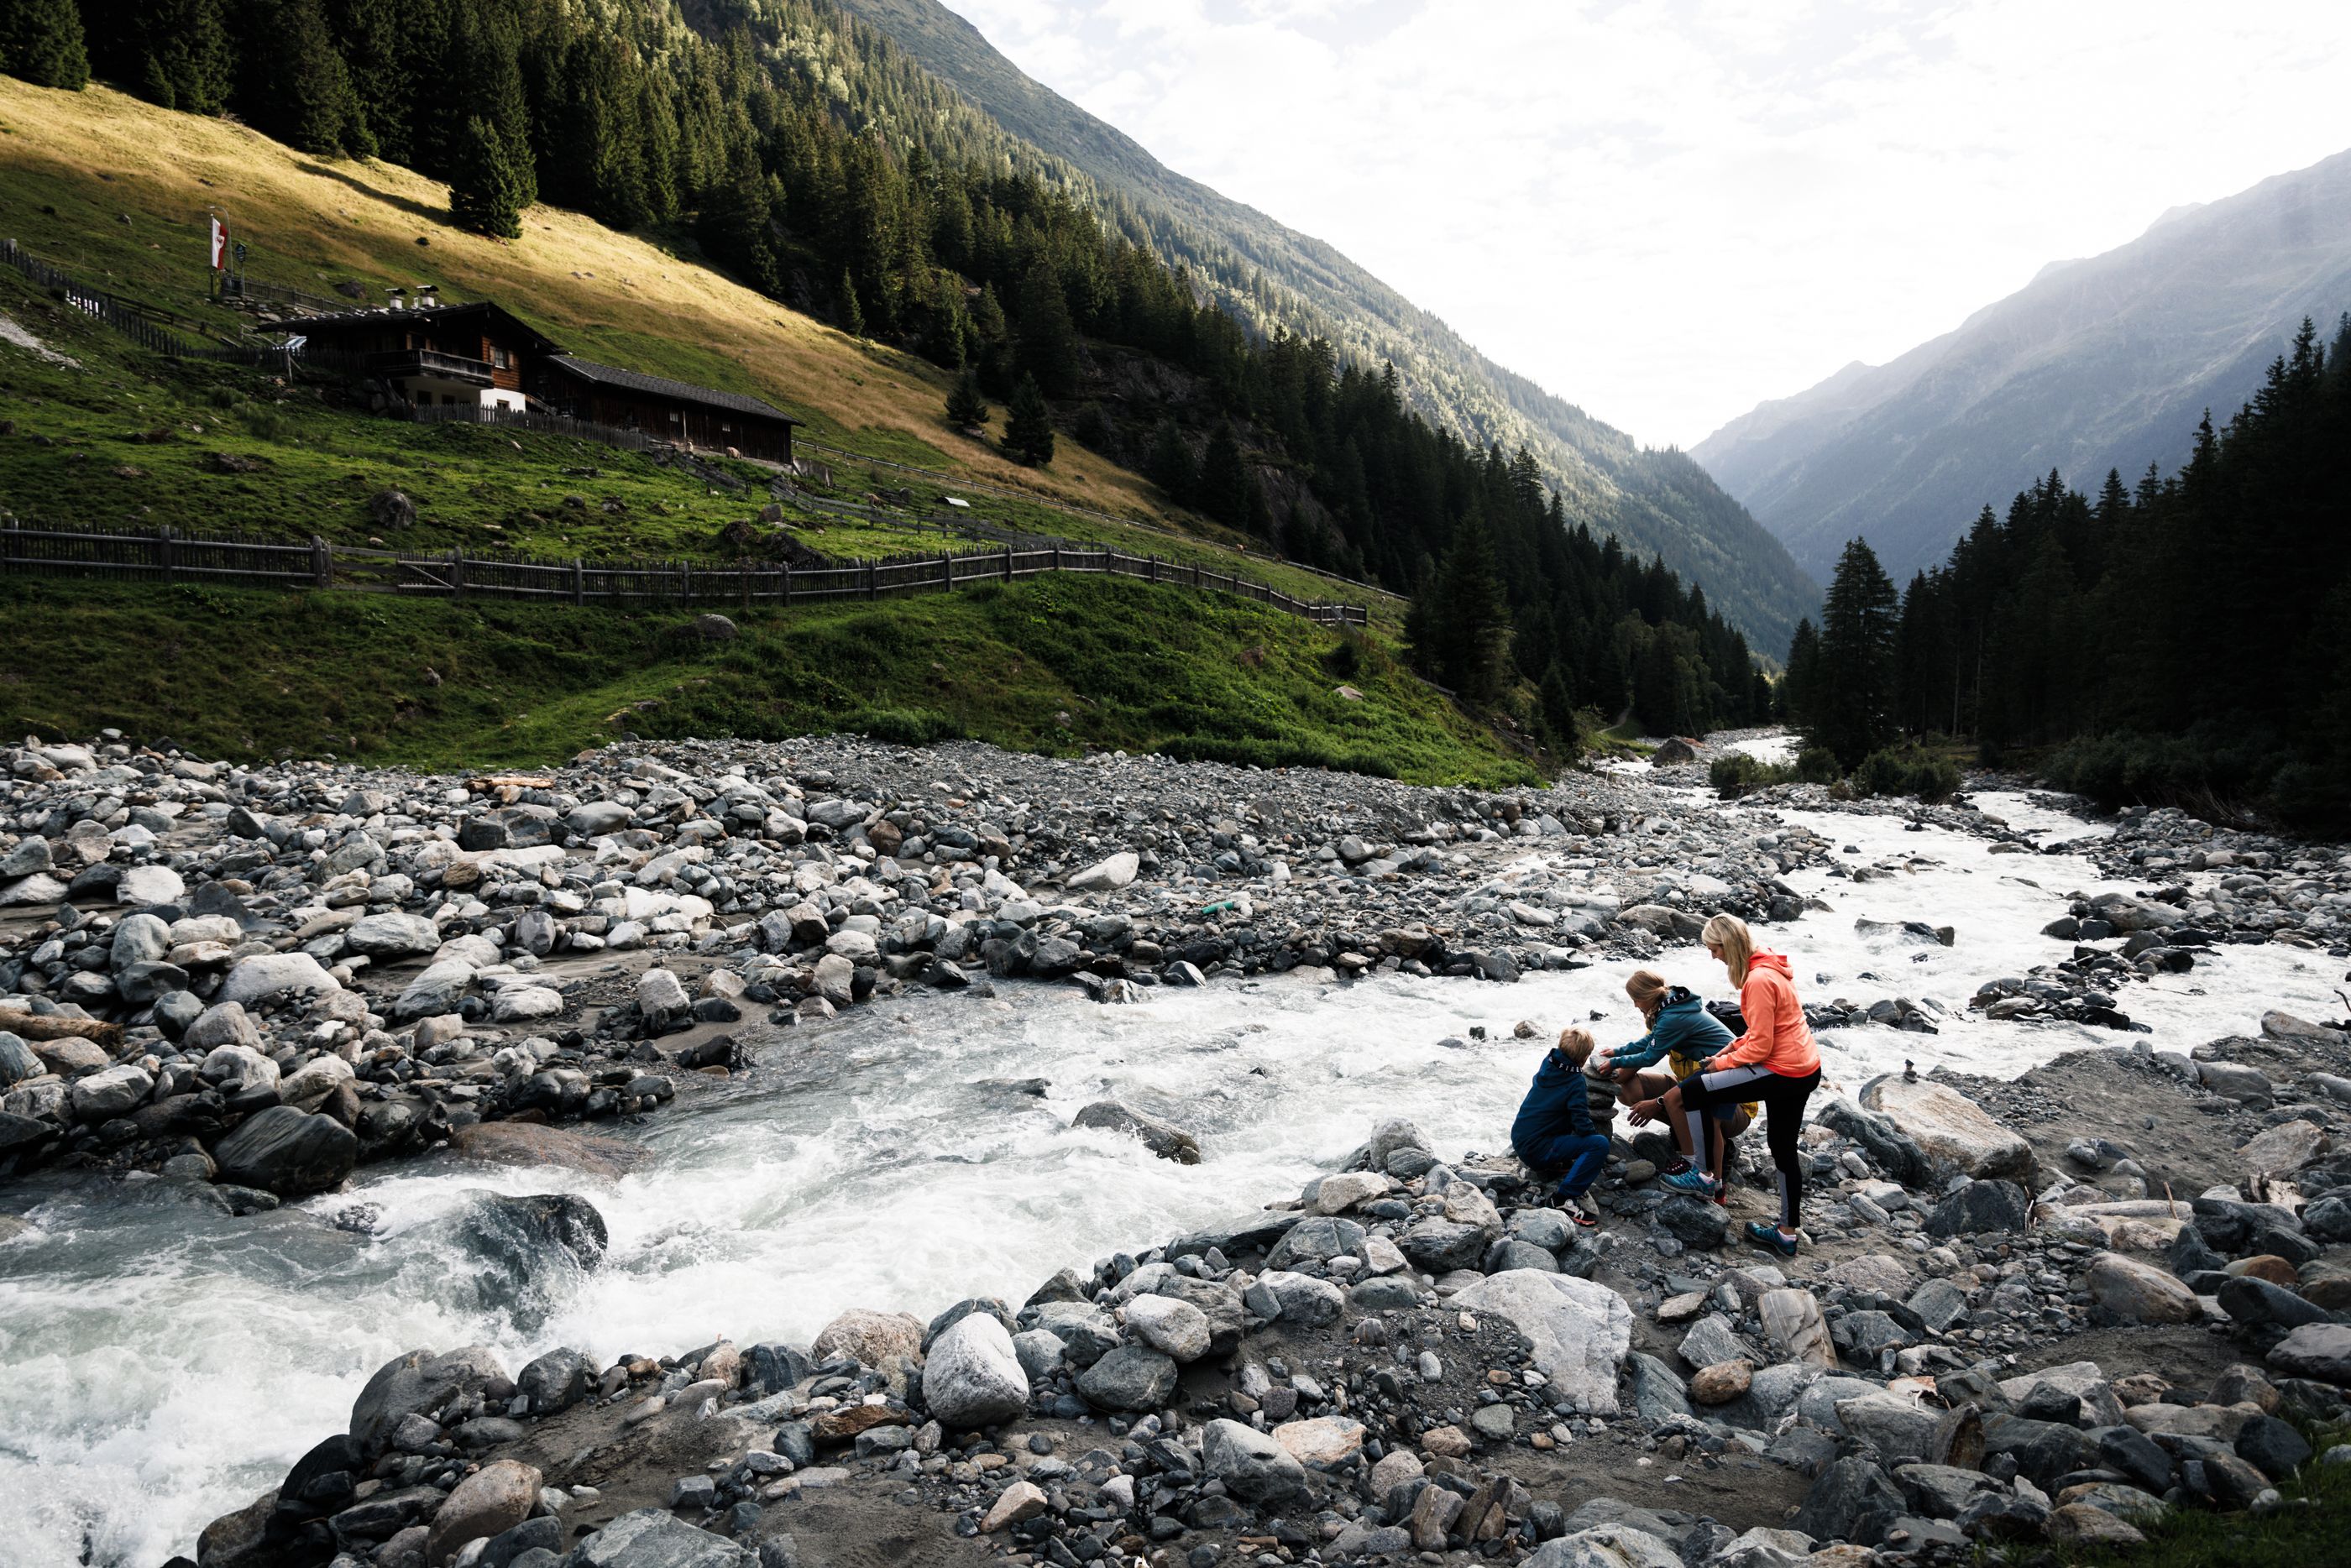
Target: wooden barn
[(476, 355), (674, 410)]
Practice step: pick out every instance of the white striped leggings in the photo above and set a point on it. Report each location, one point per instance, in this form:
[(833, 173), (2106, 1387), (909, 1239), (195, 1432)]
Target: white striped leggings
[(1784, 1102)]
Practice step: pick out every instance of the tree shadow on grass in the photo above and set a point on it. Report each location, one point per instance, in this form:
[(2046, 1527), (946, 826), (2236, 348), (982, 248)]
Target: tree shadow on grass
[(408, 205)]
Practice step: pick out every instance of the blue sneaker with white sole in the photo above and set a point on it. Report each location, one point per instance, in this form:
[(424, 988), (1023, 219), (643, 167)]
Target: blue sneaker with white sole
[(1692, 1181), (1771, 1236)]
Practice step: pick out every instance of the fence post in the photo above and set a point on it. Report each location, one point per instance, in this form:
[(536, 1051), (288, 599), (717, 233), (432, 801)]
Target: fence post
[(456, 573), (322, 562), (873, 590), (946, 571), (685, 584), (579, 582), (1008, 563), (788, 584), (1057, 556), (743, 581), (163, 552)]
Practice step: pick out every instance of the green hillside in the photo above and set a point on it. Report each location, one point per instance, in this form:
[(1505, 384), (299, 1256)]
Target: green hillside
[(1657, 500)]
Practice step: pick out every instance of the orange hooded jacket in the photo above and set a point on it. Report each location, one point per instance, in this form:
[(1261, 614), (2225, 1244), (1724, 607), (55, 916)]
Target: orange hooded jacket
[(1777, 1037)]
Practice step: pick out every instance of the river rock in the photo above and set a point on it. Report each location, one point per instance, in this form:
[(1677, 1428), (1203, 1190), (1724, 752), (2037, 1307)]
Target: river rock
[(1604, 1546), (393, 936), (149, 885), (17, 1061), (288, 1152), (1131, 1377), (1087, 1333), (2287, 1147), (1794, 1328), (1956, 1136), (268, 976), (656, 1537), (419, 1383), (223, 1023), (1252, 1466), (1722, 1382), (1114, 872), (1016, 1504), (1321, 1442), (1174, 1328), (532, 1143), (115, 1092), (494, 1498), (1978, 1206), (874, 1338), (554, 1381), (2140, 1292), (972, 1376), (1581, 1331), (1163, 1138)]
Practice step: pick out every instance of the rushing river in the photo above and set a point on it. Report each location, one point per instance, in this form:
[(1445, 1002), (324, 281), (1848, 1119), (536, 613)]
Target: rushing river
[(163, 1364)]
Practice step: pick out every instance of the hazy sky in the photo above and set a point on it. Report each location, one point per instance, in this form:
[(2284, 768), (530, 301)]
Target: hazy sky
[(1668, 210)]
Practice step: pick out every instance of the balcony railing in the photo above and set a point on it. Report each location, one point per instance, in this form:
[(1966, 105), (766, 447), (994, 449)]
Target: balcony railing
[(430, 362)]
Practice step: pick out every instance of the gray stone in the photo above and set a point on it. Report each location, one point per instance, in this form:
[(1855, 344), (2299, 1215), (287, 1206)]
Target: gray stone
[(1163, 1138), (656, 1537), (114, 1092), (1711, 1340), (1956, 1134), (1302, 1301), (1581, 1331), (1251, 1465), (288, 1152), (419, 1383), (556, 1381), (1938, 1304), (265, 976), (1086, 1332), (392, 936), (1131, 1377), (1851, 1500), (1978, 1207), (972, 1376), (1604, 1546), (2318, 1350)]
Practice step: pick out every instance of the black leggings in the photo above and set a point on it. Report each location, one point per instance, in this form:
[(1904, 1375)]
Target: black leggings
[(1783, 1102)]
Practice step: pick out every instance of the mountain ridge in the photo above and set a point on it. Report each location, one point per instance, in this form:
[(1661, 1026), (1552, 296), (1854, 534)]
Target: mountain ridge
[(1658, 499), (2099, 362)]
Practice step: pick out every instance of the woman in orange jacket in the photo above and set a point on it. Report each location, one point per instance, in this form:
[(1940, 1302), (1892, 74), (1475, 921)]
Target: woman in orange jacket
[(1775, 1062)]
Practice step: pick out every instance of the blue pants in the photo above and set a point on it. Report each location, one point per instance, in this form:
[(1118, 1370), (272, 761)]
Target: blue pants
[(1573, 1158)]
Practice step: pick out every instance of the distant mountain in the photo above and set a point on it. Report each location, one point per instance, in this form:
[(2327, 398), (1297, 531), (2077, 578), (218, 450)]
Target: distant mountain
[(2097, 364), (1657, 500)]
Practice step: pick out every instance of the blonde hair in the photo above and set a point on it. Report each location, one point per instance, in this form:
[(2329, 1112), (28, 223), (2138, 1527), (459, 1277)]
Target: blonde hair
[(1646, 987), (1727, 938), (1576, 1045)]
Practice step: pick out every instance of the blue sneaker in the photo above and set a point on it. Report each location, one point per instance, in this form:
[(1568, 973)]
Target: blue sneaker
[(1692, 1181), (1771, 1236)]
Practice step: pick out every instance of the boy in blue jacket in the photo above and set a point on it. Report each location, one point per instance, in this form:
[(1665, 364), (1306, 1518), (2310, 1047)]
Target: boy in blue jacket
[(1683, 1033), (1554, 1133)]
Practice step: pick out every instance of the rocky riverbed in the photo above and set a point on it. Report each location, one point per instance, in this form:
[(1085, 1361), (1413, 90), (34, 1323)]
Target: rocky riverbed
[(701, 1018)]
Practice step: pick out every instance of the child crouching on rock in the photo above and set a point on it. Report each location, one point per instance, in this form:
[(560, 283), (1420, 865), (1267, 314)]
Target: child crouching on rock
[(1554, 1133)]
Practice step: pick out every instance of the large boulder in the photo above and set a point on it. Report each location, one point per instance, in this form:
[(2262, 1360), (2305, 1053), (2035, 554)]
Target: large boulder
[(291, 1153), (1132, 1378), (1978, 1207), (874, 1338), (656, 1537), (393, 936), (529, 1251), (419, 1383), (1252, 1465), (1581, 1331), (1958, 1136), (2317, 1350), (972, 1377), (1106, 874), (271, 976), (493, 1500), (1605, 1546), (2140, 1292)]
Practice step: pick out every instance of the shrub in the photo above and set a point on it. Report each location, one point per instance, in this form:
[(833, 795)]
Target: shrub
[(1735, 773), (906, 726), (1907, 771), (1817, 765)]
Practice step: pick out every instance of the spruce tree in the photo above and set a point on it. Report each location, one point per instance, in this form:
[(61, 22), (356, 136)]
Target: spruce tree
[(852, 312), (1169, 464), (1049, 339), (1224, 478), (1796, 688), (966, 408), (1853, 704), (41, 41), (1557, 695), (1028, 424), (307, 100), (485, 194)]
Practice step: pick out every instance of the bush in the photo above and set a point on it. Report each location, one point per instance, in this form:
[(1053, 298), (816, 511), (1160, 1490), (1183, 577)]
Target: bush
[(1907, 771), (1817, 765), (1735, 773), (906, 726)]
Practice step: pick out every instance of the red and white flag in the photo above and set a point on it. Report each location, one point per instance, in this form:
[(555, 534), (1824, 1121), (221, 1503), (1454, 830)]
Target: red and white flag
[(220, 242)]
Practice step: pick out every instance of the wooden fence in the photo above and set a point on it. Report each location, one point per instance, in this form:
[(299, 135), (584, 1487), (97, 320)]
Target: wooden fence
[(143, 325), (165, 555)]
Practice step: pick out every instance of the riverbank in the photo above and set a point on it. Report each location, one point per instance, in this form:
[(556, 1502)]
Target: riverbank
[(932, 1146)]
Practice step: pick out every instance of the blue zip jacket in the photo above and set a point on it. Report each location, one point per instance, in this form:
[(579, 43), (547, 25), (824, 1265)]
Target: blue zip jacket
[(1557, 1101), (1684, 1025)]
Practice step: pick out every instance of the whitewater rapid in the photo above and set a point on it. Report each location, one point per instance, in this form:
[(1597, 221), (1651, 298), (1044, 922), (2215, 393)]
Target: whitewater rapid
[(165, 1364)]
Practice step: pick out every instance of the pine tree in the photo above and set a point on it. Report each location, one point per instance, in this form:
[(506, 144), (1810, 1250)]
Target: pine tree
[(172, 52), (1049, 339), (1557, 696), (41, 41), (852, 311), (1224, 479), (1028, 424), (1169, 464), (1460, 628), (485, 194), (1797, 686), (966, 409), (1853, 703), (306, 99)]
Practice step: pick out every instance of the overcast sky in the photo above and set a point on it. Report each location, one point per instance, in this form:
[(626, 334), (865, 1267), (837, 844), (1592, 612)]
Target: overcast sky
[(1667, 211)]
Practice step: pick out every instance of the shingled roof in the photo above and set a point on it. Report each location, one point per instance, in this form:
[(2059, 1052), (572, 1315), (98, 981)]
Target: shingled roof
[(663, 387)]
